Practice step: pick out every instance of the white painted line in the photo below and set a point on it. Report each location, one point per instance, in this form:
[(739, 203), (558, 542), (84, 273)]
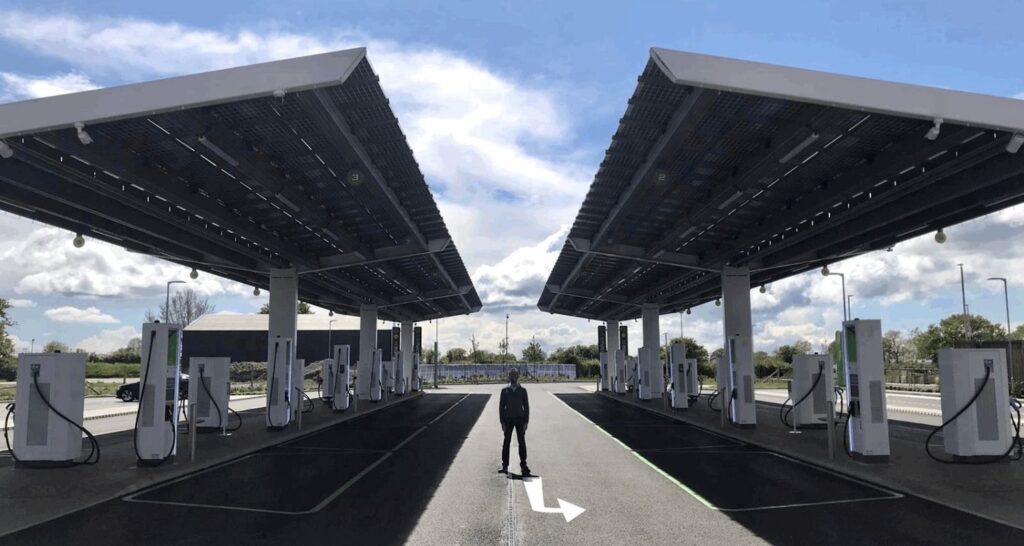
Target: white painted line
[(805, 504)]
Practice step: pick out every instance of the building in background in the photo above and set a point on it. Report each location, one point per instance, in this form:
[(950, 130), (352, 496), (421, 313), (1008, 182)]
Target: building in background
[(243, 338)]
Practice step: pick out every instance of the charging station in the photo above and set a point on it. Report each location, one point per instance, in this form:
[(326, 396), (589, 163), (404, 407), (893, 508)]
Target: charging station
[(298, 391), (370, 385), (279, 383), (156, 422), (417, 352), (975, 403), (400, 385), (644, 374), (602, 359), (414, 381), (811, 390), (867, 426), (691, 380), (339, 392), (328, 375), (677, 375), (722, 374), (620, 367), (209, 389), (49, 402)]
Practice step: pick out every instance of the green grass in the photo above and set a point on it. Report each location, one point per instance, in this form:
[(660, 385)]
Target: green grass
[(109, 370)]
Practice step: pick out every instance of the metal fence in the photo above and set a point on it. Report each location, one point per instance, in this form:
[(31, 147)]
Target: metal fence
[(497, 372)]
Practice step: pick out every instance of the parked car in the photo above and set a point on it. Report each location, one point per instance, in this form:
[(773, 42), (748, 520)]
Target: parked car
[(129, 392)]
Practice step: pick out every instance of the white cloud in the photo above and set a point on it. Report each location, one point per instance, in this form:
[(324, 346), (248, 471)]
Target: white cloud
[(45, 262), (473, 130), (1019, 96), (108, 340), (517, 280), (21, 304), (17, 87), (89, 315)]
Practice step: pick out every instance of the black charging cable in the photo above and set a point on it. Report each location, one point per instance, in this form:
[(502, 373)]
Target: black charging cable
[(94, 445), (983, 459), (785, 417), (142, 392)]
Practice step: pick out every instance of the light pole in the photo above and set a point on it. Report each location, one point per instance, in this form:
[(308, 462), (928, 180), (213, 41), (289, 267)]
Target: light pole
[(1009, 341), (330, 333), (826, 273), (437, 355), (505, 358), (167, 301), (963, 297), (33, 349), (849, 304)]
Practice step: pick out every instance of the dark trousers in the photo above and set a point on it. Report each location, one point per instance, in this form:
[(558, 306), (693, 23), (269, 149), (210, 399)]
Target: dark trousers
[(520, 428)]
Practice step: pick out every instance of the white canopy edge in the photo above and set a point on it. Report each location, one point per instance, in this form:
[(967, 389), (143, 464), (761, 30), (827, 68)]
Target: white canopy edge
[(869, 95), (178, 93)]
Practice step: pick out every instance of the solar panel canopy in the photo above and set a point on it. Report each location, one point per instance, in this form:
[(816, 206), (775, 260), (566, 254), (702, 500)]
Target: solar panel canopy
[(298, 163), (720, 162)]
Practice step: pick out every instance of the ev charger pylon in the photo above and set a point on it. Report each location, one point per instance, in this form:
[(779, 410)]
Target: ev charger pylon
[(279, 383), (209, 388), (41, 437), (400, 385), (691, 379), (602, 359), (811, 389), (328, 376), (156, 425), (868, 424), (620, 367), (677, 372), (340, 394), (370, 385), (983, 429), (645, 376), (298, 391), (414, 383)]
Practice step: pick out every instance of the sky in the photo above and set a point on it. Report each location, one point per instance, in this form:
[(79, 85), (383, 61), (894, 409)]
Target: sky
[(509, 107)]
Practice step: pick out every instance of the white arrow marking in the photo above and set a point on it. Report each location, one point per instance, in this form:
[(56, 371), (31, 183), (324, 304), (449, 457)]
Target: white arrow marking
[(535, 492)]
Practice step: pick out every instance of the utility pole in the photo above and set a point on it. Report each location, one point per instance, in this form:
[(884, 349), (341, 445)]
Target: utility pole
[(963, 297), (505, 358)]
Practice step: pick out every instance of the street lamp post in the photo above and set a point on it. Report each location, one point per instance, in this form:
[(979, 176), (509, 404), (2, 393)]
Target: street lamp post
[(849, 305), (330, 333), (826, 273), (167, 301), (1009, 341), (437, 355), (505, 358)]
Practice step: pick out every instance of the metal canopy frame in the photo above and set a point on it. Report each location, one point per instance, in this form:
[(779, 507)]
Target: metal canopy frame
[(720, 162), (295, 163)]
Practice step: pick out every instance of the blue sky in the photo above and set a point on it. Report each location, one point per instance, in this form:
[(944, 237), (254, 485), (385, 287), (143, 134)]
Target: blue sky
[(509, 107)]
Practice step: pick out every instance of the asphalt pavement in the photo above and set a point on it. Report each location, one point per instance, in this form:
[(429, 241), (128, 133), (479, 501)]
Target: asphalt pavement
[(425, 472)]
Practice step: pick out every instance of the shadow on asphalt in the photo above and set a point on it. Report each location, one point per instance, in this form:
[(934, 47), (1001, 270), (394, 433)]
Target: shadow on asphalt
[(388, 487), (778, 498)]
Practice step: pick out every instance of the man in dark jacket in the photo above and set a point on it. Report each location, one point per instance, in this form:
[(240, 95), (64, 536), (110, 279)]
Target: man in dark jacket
[(514, 412)]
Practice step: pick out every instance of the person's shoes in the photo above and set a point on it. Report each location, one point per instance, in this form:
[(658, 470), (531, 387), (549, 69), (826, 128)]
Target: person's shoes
[(504, 470), (525, 470)]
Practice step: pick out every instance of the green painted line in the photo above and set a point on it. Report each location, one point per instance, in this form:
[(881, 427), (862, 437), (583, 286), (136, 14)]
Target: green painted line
[(664, 474)]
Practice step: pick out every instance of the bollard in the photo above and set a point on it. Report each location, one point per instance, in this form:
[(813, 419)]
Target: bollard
[(192, 432)]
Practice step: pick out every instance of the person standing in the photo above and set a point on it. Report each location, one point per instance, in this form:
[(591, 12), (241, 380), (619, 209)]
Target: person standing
[(514, 413)]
